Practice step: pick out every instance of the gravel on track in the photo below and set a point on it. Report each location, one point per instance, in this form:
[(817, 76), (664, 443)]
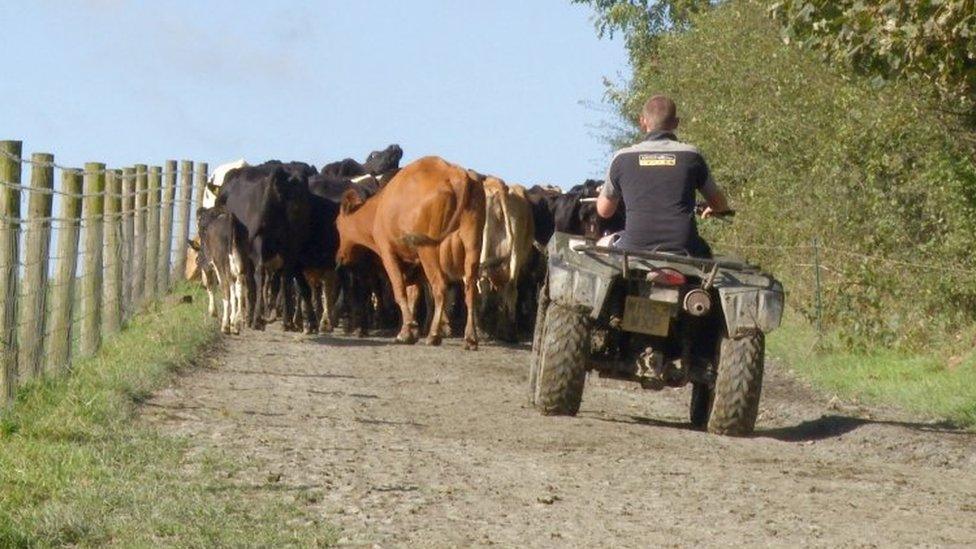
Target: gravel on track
[(435, 446)]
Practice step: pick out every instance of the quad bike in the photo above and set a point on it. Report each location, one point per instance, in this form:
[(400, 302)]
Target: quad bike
[(663, 320)]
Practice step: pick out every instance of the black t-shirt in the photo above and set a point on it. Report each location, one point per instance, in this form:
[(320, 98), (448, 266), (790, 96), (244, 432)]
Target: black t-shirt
[(657, 179)]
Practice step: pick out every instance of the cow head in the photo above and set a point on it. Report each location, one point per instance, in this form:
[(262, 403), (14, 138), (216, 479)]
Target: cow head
[(385, 161), (352, 199)]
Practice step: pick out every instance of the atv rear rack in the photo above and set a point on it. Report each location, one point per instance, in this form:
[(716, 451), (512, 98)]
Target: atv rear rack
[(702, 263)]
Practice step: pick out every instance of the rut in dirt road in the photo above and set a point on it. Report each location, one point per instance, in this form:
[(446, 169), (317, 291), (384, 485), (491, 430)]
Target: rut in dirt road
[(437, 447)]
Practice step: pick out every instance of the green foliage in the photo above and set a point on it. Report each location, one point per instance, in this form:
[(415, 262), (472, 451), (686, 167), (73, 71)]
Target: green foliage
[(937, 384), (932, 41), (76, 470), (808, 152), (642, 21)]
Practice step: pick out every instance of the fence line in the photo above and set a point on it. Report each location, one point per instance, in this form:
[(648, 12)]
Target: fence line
[(120, 244)]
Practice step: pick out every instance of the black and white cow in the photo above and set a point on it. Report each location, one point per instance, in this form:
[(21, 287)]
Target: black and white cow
[(223, 245)]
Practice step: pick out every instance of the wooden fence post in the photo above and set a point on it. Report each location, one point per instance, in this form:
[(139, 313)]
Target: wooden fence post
[(139, 238), (112, 255), (166, 228), (9, 253), (201, 184), (128, 226), (63, 290), (183, 219), (36, 247), (91, 297), (152, 235)]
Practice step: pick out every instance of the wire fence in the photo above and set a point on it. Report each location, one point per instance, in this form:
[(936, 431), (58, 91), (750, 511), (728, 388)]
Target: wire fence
[(77, 260)]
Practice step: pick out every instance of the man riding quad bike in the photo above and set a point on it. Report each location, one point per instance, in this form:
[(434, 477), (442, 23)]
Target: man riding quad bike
[(653, 306)]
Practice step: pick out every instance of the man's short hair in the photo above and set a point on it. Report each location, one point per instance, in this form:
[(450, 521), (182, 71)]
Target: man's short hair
[(660, 112)]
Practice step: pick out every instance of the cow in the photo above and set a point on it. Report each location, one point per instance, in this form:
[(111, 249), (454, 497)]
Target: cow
[(273, 205), (216, 180), (430, 215), (223, 243), (202, 268), (575, 212), (543, 202), (382, 165), (506, 253)]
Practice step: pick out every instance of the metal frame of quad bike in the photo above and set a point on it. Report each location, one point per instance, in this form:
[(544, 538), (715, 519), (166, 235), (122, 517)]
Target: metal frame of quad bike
[(581, 275)]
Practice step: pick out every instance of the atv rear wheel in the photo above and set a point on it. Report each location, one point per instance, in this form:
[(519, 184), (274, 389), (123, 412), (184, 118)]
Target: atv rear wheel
[(561, 363), (738, 385), (702, 396)]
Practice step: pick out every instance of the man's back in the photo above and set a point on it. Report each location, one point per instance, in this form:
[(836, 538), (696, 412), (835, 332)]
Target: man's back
[(657, 180)]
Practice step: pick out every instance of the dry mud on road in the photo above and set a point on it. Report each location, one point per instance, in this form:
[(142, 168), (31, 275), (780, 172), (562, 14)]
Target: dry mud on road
[(420, 446)]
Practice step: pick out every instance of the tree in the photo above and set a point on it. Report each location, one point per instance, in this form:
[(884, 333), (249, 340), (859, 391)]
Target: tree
[(642, 21), (932, 40)]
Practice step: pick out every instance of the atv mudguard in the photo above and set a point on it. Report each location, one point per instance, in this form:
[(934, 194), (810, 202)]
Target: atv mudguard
[(750, 300)]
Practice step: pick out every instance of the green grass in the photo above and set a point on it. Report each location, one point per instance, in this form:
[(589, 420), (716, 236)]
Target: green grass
[(75, 469), (938, 383)]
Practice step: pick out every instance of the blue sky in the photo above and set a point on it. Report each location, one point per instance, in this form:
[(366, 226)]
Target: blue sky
[(496, 86)]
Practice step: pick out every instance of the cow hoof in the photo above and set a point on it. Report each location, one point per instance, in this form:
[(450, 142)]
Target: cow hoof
[(361, 333), (406, 339), (225, 330), (434, 340), (470, 345), (310, 330), (325, 328)]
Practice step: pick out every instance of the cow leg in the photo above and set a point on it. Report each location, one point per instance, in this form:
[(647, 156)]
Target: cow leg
[(307, 308), (287, 295), (225, 291), (430, 259), (239, 299), (210, 286), (471, 301), (328, 299), (258, 293), (408, 329), (507, 328)]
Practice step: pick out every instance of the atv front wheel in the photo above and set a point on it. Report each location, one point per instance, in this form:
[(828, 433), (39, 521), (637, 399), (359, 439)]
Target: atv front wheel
[(738, 385), (538, 336), (561, 362)]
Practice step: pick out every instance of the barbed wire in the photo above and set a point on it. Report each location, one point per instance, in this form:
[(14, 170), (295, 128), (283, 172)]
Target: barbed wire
[(82, 171), (930, 266)]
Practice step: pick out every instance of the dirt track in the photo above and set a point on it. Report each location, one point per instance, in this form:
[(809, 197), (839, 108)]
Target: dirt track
[(436, 447)]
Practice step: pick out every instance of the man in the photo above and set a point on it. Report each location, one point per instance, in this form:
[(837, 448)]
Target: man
[(657, 179)]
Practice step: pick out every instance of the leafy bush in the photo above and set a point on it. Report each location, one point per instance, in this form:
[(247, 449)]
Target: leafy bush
[(808, 152), (931, 41)]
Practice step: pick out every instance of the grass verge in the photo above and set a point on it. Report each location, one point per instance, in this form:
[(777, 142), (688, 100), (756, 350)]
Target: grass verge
[(939, 383), (76, 470)]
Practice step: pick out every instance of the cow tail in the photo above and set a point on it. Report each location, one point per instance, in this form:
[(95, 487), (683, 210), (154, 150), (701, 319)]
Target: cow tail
[(419, 239)]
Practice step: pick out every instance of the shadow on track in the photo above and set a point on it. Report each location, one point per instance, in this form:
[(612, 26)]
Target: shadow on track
[(830, 426)]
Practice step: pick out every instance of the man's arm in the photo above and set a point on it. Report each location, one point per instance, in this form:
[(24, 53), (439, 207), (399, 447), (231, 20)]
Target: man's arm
[(716, 199), (606, 206), (609, 198)]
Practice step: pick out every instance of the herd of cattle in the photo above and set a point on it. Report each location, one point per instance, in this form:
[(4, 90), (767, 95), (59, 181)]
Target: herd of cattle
[(373, 245)]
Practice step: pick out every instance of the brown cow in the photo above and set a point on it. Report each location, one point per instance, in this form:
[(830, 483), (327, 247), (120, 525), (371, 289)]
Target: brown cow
[(432, 214), (506, 253)]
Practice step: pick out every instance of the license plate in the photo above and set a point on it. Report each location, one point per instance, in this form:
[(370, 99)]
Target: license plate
[(646, 317)]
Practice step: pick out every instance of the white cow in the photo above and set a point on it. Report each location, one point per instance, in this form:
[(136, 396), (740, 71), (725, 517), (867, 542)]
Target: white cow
[(216, 181)]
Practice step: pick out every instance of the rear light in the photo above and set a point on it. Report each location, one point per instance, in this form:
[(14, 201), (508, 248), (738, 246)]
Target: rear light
[(668, 277)]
